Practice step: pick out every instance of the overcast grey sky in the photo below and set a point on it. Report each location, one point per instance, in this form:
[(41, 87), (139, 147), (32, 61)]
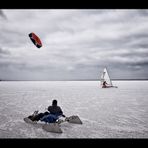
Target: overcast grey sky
[(77, 44)]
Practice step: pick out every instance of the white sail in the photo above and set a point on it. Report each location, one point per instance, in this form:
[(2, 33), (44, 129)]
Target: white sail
[(105, 77)]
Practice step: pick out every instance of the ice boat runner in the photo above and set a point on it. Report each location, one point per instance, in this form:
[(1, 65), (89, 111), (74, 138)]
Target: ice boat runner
[(105, 80)]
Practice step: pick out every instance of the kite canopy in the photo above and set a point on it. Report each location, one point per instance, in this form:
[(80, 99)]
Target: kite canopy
[(36, 40)]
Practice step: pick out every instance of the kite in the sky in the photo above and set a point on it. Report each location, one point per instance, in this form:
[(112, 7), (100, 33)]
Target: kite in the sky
[(36, 40)]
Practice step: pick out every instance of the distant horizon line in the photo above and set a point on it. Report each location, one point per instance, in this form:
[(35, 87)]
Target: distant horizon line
[(81, 80)]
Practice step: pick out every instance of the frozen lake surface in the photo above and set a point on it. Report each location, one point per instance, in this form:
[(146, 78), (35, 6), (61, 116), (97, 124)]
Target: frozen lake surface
[(106, 113)]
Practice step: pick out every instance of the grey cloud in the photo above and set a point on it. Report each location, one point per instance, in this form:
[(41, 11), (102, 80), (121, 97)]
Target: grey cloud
[(4, 52), (11, 38), (143, 12), (76, 44), (2, 14)]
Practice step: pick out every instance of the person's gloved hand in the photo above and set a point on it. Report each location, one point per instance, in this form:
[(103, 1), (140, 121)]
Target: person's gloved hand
[(63, 115)]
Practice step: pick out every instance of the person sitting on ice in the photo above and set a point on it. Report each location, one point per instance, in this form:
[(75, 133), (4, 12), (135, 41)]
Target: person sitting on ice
[(54, 111), (104, 84)]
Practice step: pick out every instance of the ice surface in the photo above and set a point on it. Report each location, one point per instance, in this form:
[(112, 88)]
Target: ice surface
[(106, 113)]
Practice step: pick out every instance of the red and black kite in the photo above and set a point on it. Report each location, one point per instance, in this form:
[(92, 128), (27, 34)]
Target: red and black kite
[(36, 40)]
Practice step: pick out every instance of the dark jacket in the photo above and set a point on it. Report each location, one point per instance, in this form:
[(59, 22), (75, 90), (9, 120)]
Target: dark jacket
[(104, 83), (55, 110)]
